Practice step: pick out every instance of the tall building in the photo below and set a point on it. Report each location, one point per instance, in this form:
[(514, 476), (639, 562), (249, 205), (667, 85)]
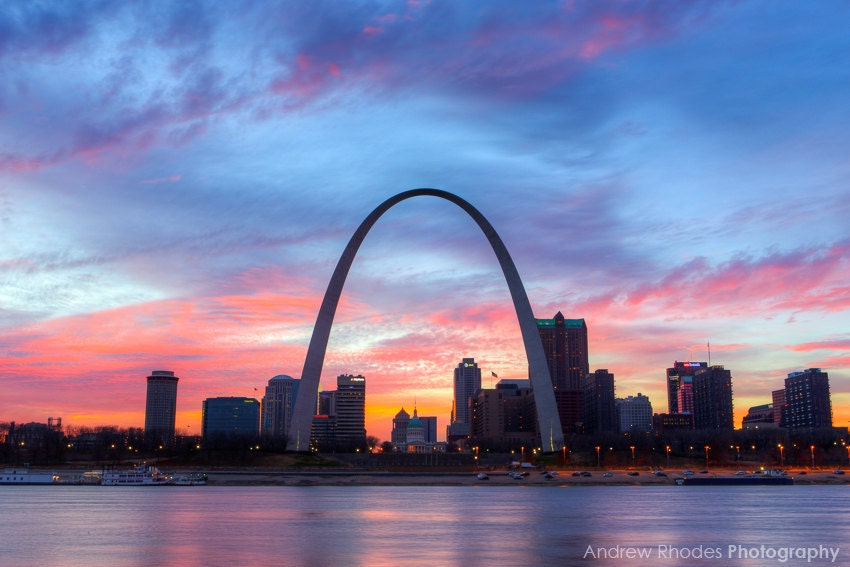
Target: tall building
[(634, 413), (807, 400), (467, 382), (161, 407), (570, 404), (231, 416), (278, 402), (349, 402), (600, 412), (565, 345), (429, 423), (681, 377), (713, 399)]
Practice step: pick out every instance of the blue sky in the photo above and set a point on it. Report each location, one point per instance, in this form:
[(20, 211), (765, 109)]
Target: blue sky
[(177, 181)]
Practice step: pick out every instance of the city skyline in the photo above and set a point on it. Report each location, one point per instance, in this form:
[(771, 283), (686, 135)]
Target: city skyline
[(177, 182)]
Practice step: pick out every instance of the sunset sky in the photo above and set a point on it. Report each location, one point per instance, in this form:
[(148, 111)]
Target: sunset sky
[(178, 180)]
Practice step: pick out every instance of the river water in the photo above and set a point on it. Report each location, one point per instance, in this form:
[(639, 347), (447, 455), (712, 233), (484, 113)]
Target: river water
[(432, 526)]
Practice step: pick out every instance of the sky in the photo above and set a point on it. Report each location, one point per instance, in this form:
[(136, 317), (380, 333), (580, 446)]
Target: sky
[(178, 180)]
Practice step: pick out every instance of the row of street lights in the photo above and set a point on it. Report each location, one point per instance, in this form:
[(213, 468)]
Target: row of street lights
[(707, 451)]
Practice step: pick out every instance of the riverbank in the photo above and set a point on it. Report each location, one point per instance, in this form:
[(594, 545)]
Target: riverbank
[(496, 478), (260, 476)]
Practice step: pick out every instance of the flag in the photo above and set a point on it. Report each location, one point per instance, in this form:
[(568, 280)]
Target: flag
[(493, 374)]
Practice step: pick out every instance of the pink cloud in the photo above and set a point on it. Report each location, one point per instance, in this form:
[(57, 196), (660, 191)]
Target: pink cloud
[(837, 344)]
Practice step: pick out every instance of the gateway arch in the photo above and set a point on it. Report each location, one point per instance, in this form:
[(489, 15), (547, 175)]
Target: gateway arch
[(544, 397)]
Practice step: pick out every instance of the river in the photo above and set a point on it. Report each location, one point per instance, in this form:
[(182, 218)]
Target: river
[(432, 526)]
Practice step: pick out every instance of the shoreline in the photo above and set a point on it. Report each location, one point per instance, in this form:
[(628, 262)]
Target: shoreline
[(534, 477), (564, 478)]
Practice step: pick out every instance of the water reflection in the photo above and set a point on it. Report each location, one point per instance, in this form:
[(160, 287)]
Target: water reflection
[(408, 525)]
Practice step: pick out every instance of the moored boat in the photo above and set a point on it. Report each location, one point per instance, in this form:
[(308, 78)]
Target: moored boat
[(191, 479), (140, 475), (15, 476), (767, 477)]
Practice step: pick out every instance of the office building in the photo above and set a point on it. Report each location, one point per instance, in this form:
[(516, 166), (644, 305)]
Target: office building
[(230, 416), (323, 432), (570, 404), (161, 408), (278, 402), (504, 416), (429, 425), (634, 414), (713, 399), (349, 403), (680, 377), (807, 400), (565, 345), (600, 411), (467, 381)]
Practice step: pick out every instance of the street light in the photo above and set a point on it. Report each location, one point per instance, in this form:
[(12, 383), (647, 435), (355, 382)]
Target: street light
[(632, 447), (597, 456), (781, 455), (706, 455), (667, 448), (812, 450)]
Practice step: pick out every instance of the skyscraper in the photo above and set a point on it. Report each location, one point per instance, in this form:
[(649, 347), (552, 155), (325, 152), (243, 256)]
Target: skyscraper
[(713, 399), (807, 400), (350, 410), (467, 382), (681, 377), (600, 412), (161, 407), (278, 402), (230, 416), (565, 346)]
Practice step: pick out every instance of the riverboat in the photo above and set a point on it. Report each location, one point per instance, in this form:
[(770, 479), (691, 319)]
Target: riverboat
[(139, 475), (15, 476), (191, 479), (770, 477)]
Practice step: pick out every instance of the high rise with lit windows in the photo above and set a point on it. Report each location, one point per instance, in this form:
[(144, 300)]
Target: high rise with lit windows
[(807, 400), (161, 407), (565, 345)]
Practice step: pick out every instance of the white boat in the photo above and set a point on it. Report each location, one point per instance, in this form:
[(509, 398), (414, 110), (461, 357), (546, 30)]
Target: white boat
[(139, 475), (15, 476), (192, 479)]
